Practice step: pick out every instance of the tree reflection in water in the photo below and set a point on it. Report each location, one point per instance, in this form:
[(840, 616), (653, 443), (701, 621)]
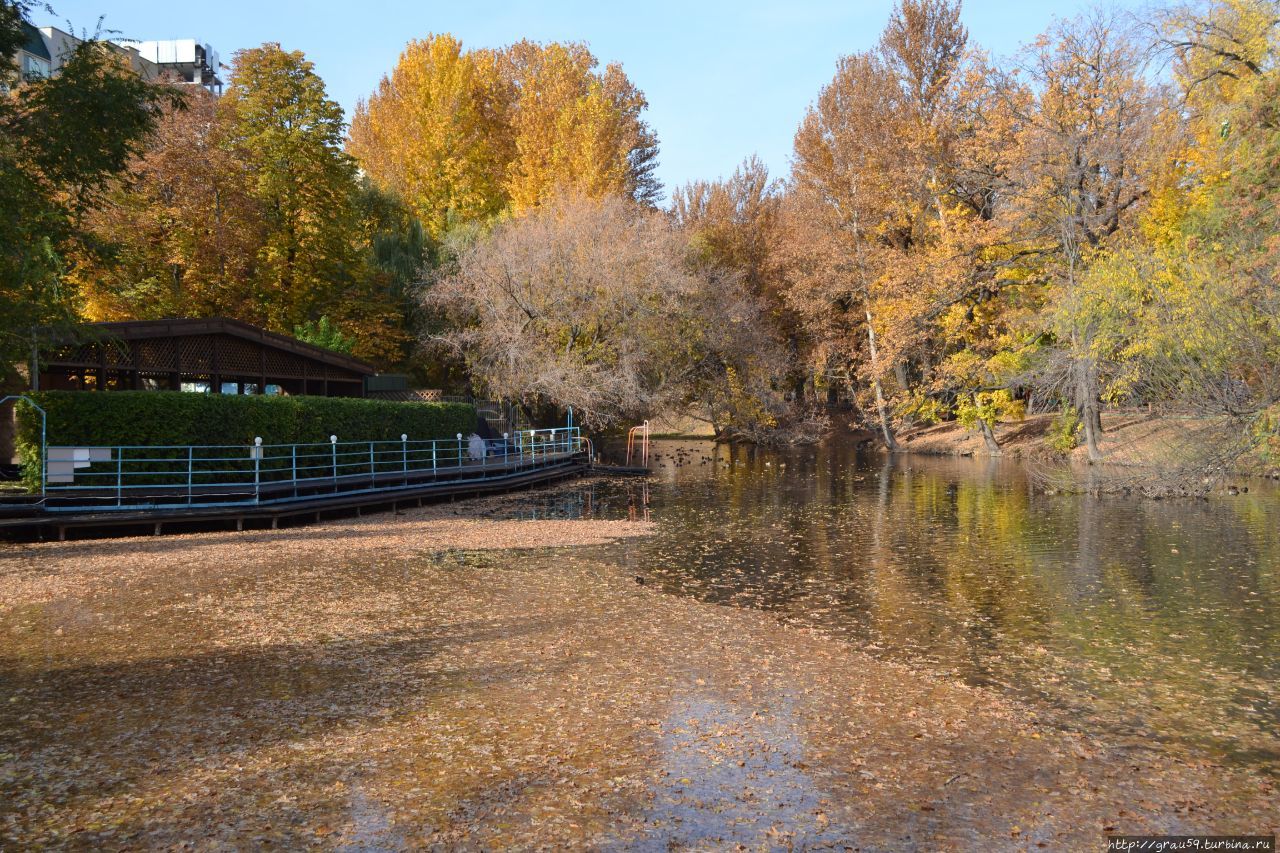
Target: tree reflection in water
[(1154, 621)]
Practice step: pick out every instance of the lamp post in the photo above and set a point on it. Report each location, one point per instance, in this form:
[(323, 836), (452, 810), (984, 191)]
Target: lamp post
[(257, 469)]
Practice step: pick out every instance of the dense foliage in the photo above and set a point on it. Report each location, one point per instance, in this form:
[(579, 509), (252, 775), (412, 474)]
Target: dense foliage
[(1087, 226), (466, 134), (597, 304), (1072, 229), (62, 143), (246, 206)]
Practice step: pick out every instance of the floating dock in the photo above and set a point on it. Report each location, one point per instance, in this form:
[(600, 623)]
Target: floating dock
[(31, 518), (99, 491)]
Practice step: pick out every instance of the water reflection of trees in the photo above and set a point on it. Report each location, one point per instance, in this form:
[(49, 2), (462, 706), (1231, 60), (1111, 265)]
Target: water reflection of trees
[(1158, 617)]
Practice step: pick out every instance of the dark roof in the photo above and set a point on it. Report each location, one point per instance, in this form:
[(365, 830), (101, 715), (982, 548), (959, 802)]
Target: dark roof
[(132, 330), (35, 42)]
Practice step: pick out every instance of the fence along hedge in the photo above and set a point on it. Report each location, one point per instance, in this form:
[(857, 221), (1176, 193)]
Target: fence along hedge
[(113, 418)]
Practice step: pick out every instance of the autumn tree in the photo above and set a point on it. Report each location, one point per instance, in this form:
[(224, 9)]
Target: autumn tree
[(63, 141), (182, 233), (576, 129), (313, 259), (842, 180), (735, 229), (463, 135), (437, 132), (1219, 54), (1087, 142), (572, 305), (890, 220), (1235, 236), (281, 123), (953, 284), (596, 304), (247, 207), (1219, 48), (735, 224), (1192, 295)]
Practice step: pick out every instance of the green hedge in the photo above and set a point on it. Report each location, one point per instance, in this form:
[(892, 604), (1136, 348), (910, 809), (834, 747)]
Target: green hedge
[(113, 418)]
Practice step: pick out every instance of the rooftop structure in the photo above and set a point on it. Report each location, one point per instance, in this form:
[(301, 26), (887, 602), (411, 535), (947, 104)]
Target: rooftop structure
[(187, 59), (180, 60), (33, 60), (219, 356)]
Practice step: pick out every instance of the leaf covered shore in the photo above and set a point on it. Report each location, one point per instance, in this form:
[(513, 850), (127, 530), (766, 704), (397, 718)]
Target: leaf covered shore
[(434, 679)]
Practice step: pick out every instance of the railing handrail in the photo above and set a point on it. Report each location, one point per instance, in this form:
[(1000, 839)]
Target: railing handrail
[(185, 475)]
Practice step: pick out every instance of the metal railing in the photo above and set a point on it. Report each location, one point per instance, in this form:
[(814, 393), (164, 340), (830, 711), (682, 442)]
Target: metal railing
[(638, 438), (150, 477)]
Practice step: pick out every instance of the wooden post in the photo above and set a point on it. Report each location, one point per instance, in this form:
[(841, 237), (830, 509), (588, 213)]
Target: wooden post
[(217, 366)]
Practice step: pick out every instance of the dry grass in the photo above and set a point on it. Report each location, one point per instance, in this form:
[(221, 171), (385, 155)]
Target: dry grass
[(1133, 439), (952, 439)]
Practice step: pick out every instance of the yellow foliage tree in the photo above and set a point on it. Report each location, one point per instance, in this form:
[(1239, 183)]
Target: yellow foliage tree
[(1220, 51), (892, 205), (575, 129), (463, 135), (437, 133)]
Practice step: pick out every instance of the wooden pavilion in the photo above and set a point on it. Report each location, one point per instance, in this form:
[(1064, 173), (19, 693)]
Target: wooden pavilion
[(219, 356)]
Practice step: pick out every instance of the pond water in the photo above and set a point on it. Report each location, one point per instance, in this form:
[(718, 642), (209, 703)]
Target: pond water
[(1156, 623)]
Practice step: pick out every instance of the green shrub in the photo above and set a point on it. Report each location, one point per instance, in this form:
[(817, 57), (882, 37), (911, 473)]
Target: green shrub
[(991, 407), (1064, 433), (106, 419)]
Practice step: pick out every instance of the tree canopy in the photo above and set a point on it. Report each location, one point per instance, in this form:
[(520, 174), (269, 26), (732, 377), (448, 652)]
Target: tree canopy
[(467, 134), (63, 141), (1087, 225)]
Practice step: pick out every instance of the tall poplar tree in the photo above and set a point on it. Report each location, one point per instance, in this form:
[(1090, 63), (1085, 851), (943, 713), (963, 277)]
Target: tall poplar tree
[(436, 132), (463, 135), (576, 129), (281, 123)]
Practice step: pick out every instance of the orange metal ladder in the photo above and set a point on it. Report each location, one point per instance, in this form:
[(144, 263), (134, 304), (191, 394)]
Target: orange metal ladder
[(643, 431)]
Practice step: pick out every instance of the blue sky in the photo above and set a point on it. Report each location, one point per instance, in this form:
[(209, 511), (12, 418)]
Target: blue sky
[(724, 79)]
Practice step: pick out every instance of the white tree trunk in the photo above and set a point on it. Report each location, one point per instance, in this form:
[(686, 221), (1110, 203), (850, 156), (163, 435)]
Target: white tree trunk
[(881, 409)]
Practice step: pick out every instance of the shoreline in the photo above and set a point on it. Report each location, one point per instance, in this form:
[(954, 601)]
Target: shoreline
[(407, 681), (1130, 439)]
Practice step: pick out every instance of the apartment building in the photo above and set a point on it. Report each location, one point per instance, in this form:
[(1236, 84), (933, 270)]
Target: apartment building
[(186, 59), (34, 61), (179, 60)]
